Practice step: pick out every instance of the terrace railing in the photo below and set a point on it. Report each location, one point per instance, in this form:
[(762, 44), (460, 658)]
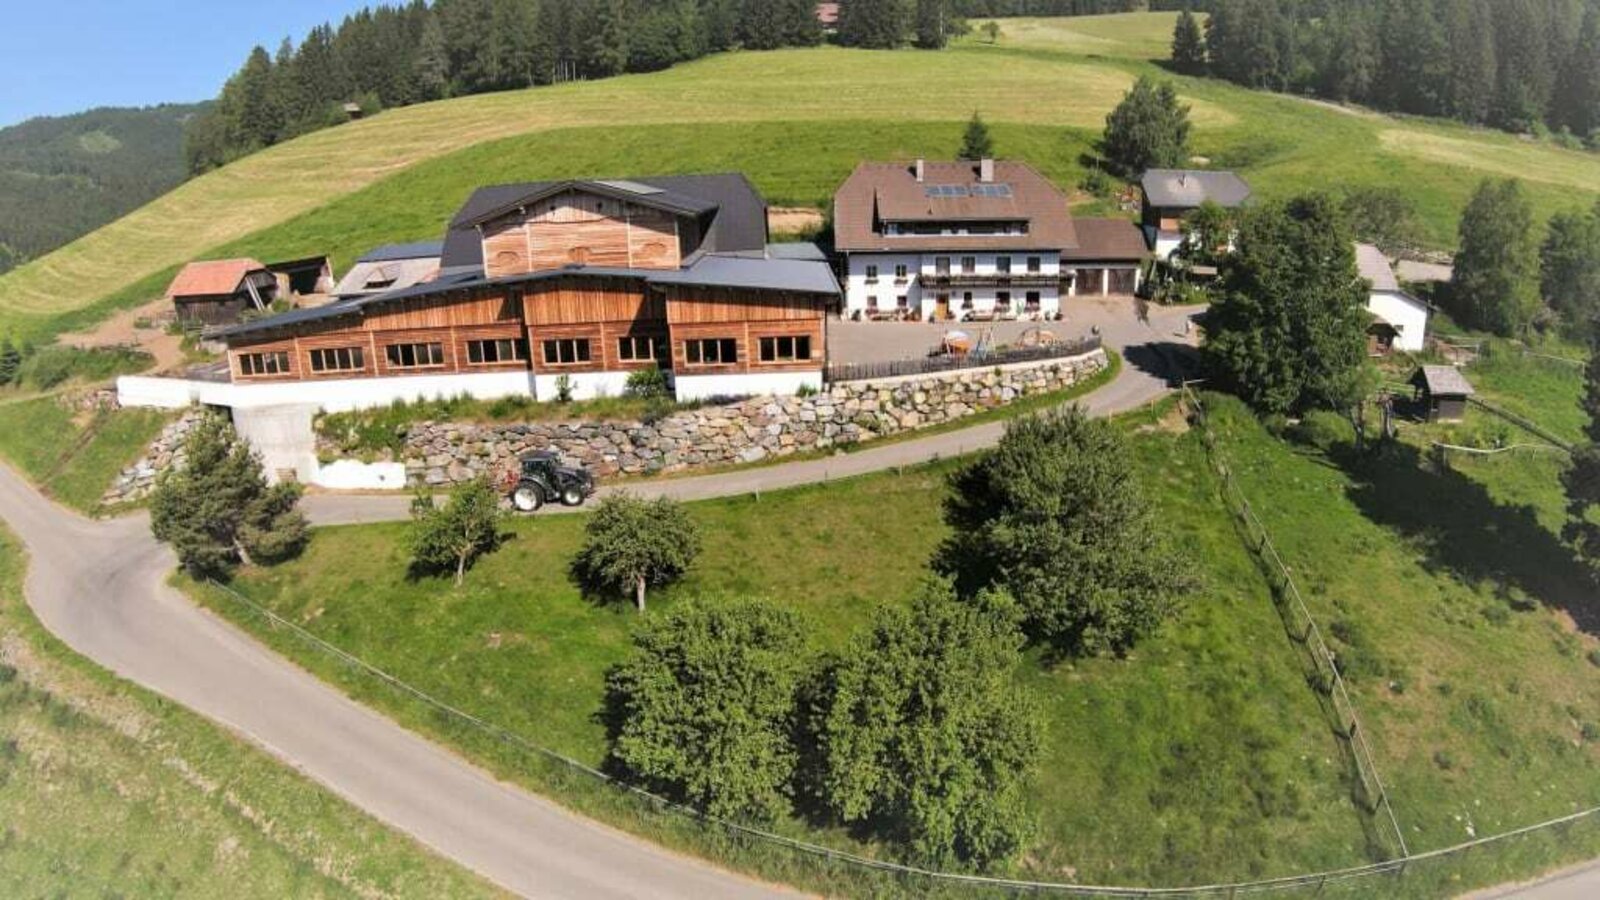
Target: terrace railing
[(982, 359)]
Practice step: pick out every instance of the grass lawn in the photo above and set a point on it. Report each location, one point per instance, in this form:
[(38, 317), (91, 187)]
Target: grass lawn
[(1208, 731), (109, 791), (797, 120), (73, 456)]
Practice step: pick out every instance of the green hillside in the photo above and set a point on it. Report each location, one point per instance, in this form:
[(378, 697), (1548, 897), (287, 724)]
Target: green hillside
[(795, 120), (63, 177)]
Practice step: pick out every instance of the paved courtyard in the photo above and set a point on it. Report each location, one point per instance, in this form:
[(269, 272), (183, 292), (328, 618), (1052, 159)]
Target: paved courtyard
[(1118, 321)]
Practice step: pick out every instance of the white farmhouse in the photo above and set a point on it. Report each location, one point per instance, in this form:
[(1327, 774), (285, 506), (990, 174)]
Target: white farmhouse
[(1171, 194), (972, 240), (1400, 321)]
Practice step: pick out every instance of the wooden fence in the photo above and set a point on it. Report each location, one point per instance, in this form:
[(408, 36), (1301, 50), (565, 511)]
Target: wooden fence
[(932, 365), (1302, 629)]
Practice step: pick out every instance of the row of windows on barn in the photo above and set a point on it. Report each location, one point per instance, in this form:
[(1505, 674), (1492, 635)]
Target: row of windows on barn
[(554, 352)]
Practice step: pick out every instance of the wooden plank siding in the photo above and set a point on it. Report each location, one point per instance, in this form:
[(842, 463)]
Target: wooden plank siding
[(578, 228), (602, 310)]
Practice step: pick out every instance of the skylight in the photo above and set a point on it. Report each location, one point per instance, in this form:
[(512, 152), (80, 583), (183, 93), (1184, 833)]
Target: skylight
[(632, 187)]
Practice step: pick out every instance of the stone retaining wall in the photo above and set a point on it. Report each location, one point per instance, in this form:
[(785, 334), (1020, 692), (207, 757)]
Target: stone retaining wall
[(138, 480), (442, 453)]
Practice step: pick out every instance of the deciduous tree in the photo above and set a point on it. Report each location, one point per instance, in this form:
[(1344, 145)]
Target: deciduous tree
[(921, 734), (1570, 267), (1149, 129), (1055, 517), (216, 508), (631, 544), (450, 538), (1495, 286), (703, 709)]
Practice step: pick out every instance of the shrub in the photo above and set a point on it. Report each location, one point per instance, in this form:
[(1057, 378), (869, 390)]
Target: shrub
[(564, 388), (921, 734), (1055, 516), (647, 384), (703, 708), (56, 364), (631, 543), (1323, 430), (452, 537)]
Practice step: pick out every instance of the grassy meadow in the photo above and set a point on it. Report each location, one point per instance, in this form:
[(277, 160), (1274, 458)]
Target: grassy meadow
[(73, 456), (795, 120), (106, 790), (1204, 756)]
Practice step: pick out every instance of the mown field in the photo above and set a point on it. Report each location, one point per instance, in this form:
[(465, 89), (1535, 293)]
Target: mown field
[(1204, 756), (106, 791), (795, 120)]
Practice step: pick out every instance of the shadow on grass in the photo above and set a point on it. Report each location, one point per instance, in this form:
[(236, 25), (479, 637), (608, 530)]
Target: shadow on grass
[(1464, 532)]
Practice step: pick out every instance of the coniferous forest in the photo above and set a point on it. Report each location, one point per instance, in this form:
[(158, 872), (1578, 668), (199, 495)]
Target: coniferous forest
[(387, 56), (1519, 65)]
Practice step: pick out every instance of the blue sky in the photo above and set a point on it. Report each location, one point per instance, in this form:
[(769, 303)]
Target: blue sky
[(66, 56)]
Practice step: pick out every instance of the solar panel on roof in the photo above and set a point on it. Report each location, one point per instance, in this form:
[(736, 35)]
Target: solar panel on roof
[(992, 190), (945, 191)]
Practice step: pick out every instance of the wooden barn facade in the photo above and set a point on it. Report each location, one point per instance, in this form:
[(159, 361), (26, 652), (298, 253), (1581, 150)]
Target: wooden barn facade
[(567, 289)]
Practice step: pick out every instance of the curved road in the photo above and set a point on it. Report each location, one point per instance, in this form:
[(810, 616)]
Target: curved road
[(101, 587)]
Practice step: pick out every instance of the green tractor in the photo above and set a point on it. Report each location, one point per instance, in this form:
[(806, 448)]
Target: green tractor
[(540, 479)]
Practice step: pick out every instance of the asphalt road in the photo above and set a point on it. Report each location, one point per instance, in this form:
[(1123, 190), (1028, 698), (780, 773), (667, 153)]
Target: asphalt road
[(101, 588)]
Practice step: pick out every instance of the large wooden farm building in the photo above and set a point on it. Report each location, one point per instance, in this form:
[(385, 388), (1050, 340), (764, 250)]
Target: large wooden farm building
[(566, 288)]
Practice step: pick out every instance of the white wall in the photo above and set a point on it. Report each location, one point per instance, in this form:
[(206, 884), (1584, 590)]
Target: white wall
[(1167, 243), (585, 385), (353, 475), (1407, 314), (333, 395), (857, 290), (703, 387)]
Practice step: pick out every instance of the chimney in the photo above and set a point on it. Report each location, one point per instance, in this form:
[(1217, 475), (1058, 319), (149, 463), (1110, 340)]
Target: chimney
[(986, 170), (917, 168)]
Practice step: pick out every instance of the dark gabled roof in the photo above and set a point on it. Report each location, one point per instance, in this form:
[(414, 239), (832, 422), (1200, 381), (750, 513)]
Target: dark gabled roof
[(738, 214), (760, 274), (1110, 240), (398, 252), (1444, 381), (803, 276), (1189, 188)]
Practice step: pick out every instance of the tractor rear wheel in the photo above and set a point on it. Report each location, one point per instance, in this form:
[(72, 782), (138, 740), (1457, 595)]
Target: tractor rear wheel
[(527, 499)]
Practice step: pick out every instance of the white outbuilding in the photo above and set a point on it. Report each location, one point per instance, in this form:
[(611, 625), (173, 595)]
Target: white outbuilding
[(1400, 320)]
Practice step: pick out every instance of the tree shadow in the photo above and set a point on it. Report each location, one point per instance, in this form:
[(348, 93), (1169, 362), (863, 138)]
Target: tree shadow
[(1170, 361), (1465, 532)]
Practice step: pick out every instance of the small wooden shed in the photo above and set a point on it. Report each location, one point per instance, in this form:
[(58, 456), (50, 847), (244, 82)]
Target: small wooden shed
[(1443, 393)]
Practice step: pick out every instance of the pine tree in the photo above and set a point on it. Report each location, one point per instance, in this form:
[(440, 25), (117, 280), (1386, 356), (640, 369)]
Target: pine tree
[(1577, 104), (1525, 76), (874, 24), (1470, 90), (216, 509), (933, 24), (10, 361), (605, 51), (431, 68), (1188, 44), (1495, 285), (975, 143)]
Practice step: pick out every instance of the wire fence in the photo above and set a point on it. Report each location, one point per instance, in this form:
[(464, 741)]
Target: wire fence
[(1302, 627), (919, 881)]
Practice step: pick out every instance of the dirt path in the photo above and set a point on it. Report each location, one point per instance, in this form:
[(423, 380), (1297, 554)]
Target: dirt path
[(144, 327)]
